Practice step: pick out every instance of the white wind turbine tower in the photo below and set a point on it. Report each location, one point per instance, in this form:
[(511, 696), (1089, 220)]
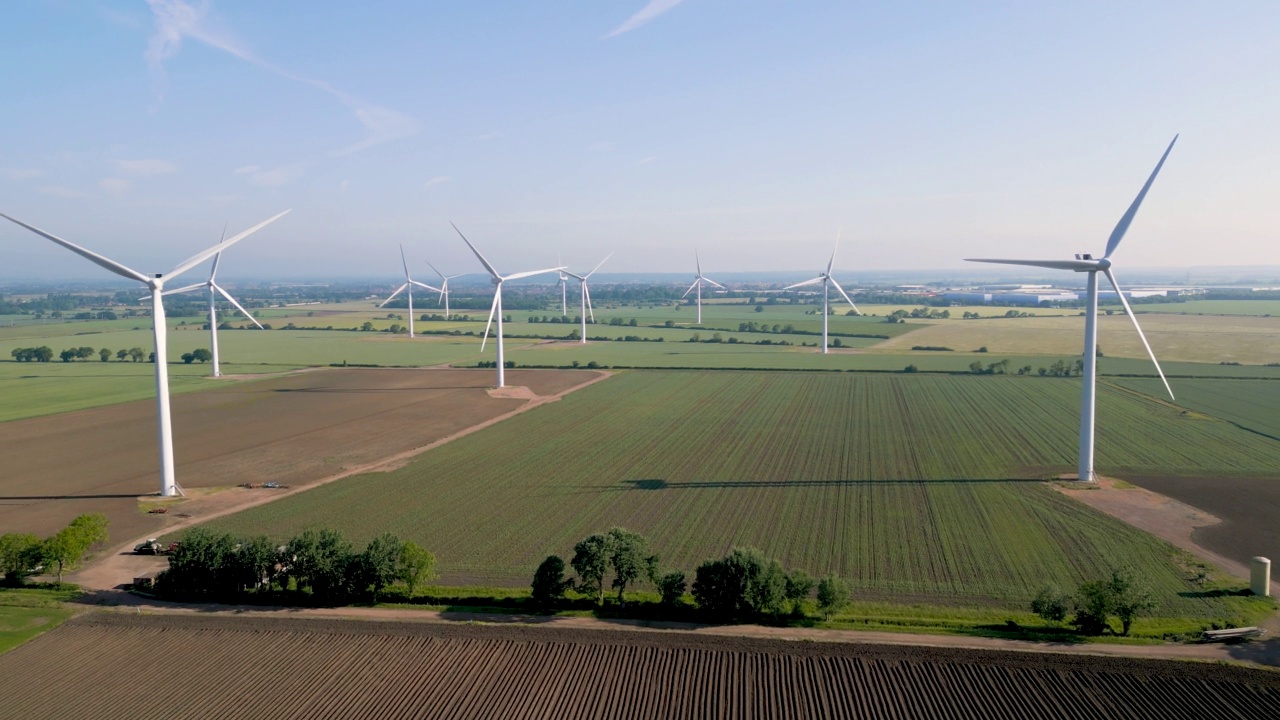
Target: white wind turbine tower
[(586, 295), (1087, 264), (564, 293), (409, 282), (168, 485), (444, 288), (827, 281), (497, 279), (214, 290), (697, 284)]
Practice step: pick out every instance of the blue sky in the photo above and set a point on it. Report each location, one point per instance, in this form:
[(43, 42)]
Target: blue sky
[(753, 129)]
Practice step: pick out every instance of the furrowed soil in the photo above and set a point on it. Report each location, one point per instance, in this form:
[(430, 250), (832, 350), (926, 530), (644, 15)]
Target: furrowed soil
[(295, 430), (113, 665)]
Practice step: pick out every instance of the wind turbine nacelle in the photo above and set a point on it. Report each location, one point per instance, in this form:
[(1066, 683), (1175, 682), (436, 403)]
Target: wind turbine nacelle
[(494, 281)]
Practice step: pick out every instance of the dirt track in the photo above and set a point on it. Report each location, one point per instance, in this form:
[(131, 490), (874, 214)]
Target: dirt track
[(111, 665), (295, 429)]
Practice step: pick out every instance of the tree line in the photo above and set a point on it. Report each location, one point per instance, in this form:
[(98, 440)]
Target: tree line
[(1095, 601), (44, 353), (318, 566), (743, 585), (23, 554)]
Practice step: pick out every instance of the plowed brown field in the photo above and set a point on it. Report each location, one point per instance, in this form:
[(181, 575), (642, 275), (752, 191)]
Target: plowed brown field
[(292, 429), (114, 665)]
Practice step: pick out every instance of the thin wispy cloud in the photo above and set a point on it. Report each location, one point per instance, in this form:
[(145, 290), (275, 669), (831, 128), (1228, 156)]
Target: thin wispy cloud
[(644, 17), (647, 160), (62, 191), (177, 19), (147, 168), (245, 170), (115, 186), (20, 173), (278, 176), (438, 180)]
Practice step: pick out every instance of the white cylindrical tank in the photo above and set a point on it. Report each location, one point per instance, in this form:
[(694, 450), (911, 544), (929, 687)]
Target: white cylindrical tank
[(1260, 576)]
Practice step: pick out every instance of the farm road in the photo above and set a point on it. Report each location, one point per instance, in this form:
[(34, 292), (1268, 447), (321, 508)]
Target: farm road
[(296, 429)]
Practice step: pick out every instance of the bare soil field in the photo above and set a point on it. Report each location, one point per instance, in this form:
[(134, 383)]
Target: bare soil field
[(107, 665), (1249, 510), (295, 429)]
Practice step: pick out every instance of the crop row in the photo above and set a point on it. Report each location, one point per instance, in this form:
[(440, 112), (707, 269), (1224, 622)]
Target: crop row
[(287, 671)]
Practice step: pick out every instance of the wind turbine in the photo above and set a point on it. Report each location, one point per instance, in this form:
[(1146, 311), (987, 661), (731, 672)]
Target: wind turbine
[(444, 288), (1087, 264), (214, 290), (827, 281), (586, 295), (697, 284), (497, 279), (564, 294), (409, 282), (168, 485)]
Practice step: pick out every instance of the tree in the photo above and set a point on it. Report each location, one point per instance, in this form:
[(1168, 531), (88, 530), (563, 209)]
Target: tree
[(68, 547), (549, 582), (1051, 605), (67, 355), (201, 566), (121, 355), (1093, 603), (44, 353), (629, 556), (799, 585), (188, 358), (136, 354), (742, 583), (20, 553), (320, 560), (255, 564), (367, 326), (671, 586), (376, 567), (104, 354), (416, 565), (1129, 597), (591, 562), (833, 595), (202, 355)]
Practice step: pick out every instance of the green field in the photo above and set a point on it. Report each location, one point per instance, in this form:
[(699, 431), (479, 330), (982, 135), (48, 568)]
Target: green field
[(1215, 307), (912, 486), (1251, 404)]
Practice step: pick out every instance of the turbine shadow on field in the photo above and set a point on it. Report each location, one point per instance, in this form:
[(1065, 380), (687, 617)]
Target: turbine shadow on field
[(344, 391), (118, 496), (661, 484)]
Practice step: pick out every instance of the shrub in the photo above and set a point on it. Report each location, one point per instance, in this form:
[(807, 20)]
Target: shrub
[(549, 582)]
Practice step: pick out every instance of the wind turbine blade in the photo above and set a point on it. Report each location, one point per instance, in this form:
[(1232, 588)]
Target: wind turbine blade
[(480, 257), (426, 286), (1122, 227), (517, 276), (492, 308), (597, 267), (206, 254), (1134, 318), (239, 307), (806, 282), (691, 287), (89, 255), (392, 296), (444, 288), (713, 282), (433, 267), (591, 311), (188, 288), (697, 260), (832, 261), (577, 276), (1077, 265), (845, 295), (213, 274), (405, 263)]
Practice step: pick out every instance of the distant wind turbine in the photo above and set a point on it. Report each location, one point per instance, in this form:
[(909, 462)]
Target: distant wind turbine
[(168, 484), (214, 290), (827, 281), (444, 288), (697, 285), (564, 294), (409, 282), (586, 295), (497, 279), (1087, 264)]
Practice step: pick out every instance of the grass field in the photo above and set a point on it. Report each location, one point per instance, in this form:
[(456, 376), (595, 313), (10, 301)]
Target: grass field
[(1215, 307), (900, 483), (26, 613)]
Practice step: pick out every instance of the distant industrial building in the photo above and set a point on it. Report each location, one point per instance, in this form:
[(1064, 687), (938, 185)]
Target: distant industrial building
[(1010, 297)]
